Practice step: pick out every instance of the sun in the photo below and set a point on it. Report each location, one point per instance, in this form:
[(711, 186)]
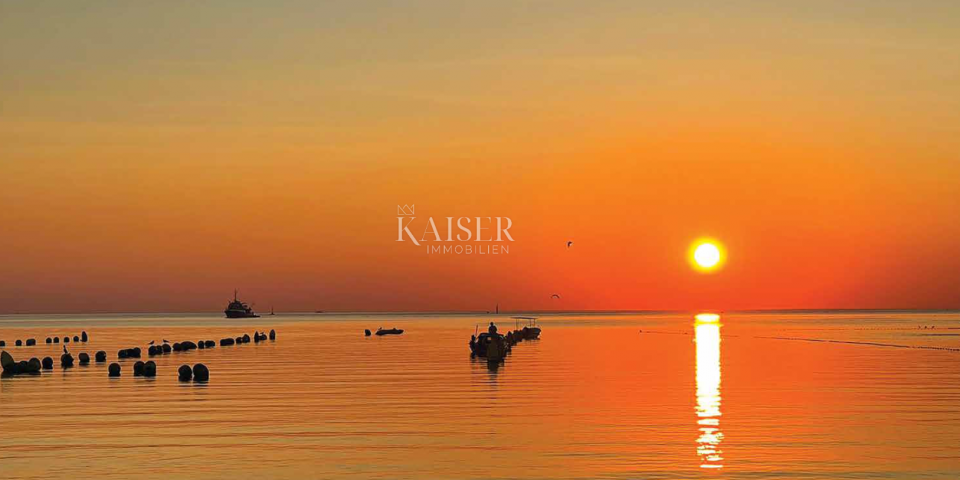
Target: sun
[(706, 255)]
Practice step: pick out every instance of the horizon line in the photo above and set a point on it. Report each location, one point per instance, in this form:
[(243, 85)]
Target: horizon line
[(510, 312)]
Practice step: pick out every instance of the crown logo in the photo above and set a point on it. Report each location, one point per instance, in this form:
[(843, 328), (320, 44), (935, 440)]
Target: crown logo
[(405, 210)]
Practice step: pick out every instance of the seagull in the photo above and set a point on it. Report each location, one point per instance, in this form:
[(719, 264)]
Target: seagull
[(555, 295), (569, 243)]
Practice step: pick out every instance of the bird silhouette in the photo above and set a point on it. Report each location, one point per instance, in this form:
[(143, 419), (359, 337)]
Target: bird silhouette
[(151, 342), (166, 341), (569, 243), (555, 295)]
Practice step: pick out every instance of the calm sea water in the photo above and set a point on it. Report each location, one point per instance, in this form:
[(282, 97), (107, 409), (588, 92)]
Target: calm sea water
[(813, 395)]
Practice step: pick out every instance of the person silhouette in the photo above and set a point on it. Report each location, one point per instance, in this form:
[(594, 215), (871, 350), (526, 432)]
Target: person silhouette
[(493, 329)]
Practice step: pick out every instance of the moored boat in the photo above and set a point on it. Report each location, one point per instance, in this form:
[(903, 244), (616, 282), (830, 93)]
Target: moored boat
[(391, 331), (531, 331), (491, 345), (494, 346)]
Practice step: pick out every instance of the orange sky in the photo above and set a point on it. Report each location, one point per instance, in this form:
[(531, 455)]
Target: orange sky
[(155, 157)]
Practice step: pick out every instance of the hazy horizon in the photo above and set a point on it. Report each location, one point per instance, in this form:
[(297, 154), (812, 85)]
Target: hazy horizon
[(504, 313)]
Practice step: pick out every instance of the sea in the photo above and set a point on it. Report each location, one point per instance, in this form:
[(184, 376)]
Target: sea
[(810, 395)]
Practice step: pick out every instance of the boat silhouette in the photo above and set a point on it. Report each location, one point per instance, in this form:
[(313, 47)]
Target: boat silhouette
[(238, 309)]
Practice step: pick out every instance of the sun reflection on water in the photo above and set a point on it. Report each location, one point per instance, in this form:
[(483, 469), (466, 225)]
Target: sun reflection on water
[(707, 338)]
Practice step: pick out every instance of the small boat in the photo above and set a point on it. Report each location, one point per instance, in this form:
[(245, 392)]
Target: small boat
[(392, 331), (531, 331), (494, 347), (491, 345), (479, 344), (238, 309)]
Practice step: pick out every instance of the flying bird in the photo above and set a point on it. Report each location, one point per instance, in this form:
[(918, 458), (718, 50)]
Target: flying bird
[(151, 342), (555, 295), (569, 243), (166, 341)]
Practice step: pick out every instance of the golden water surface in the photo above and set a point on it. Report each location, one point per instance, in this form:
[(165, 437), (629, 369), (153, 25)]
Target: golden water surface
[(813, 395)]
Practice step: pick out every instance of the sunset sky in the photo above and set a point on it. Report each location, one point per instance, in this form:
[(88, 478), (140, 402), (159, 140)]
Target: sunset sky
[(156, 155)]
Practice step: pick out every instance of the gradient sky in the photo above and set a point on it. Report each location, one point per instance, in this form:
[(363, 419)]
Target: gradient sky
[(156, 155)]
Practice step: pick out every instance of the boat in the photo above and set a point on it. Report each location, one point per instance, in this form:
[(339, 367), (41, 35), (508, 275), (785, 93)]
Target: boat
[(531, 331), (491, 345), (478, 345), (392, 331), (238, 309)]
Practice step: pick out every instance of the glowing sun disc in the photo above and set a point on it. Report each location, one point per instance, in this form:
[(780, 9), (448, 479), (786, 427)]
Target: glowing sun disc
[(706, 255)]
